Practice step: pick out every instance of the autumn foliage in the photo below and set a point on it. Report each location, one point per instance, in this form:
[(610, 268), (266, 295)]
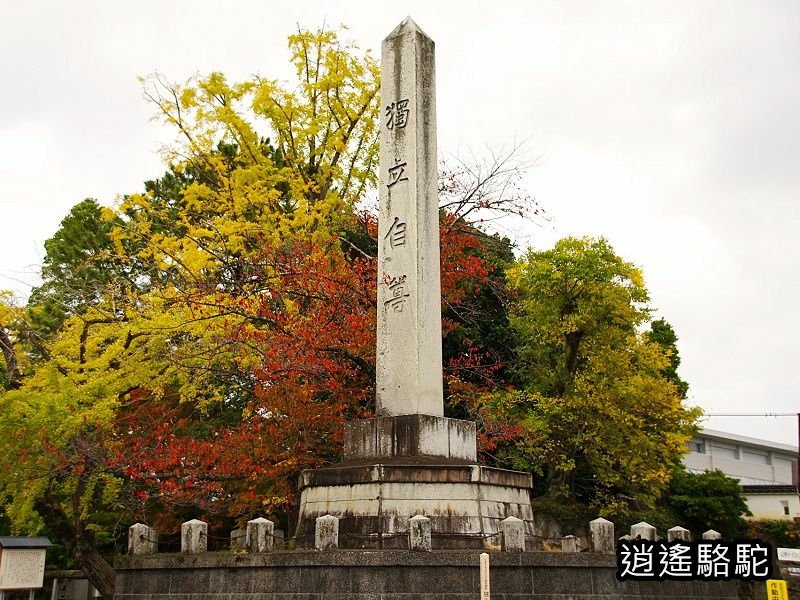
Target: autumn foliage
[(308, 338), (193, 349)]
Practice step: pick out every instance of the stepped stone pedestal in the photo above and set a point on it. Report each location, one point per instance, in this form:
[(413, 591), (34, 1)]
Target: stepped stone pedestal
[(396, 468)]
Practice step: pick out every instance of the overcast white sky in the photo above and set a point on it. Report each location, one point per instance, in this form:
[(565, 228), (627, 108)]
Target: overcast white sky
[(672, 128)]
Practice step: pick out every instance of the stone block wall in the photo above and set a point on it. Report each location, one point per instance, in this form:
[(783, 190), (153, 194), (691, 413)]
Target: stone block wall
[(392, 575)]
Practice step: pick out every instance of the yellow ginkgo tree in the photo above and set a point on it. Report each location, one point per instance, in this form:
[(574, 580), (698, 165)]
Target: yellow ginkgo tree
[(171, 280)]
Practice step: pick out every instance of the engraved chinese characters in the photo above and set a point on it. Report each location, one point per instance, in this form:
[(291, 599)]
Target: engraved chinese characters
[(409, 357), (397, 118), (397, 173), (397, 233), (397, 114)]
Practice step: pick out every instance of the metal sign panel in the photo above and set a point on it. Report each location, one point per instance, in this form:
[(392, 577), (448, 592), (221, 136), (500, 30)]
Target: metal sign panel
[(21, 569), (776, 590), (789, 554)]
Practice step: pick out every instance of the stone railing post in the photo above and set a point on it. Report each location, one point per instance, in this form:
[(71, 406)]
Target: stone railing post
[(326, 536), (194, 537), (712, 535), (602, 535), (259, 535), (643, 531), (238, 539), (279, 538), (513, 530), (569, 543), (419, 533), (142, 539), (678, 533)]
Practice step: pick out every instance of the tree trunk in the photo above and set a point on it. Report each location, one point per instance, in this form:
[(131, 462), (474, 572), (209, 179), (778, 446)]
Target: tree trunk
[(573, 339), (80, 546), (10, 356)]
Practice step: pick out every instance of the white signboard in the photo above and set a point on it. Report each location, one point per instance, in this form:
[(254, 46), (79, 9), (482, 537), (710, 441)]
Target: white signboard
[(21, 569), (789, 554)]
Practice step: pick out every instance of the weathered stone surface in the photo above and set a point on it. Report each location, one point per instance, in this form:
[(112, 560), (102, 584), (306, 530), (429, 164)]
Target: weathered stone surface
[(419, 533), (279, 539), (414, 471), (142, 539), (513, 534), (259, 535), (194, 537), (569, 543), (409, 435), (643, 531), (326, 536), (465, 503), (712, 535), (392, 575), (602, 531), (409, 352), (238, 539), (678, 533)]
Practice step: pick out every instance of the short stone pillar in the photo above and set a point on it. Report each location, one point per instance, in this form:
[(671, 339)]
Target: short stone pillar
[(679, 533), (712, 535), (194, 537), (326, 536), (419, 533), (259, 535), (142, 539), (602, 535), (513, 530), (279, 539), (643, 531), (238, 539), (569, 543)]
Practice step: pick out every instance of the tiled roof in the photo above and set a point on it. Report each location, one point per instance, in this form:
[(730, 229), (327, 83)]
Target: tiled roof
[(24, 542)]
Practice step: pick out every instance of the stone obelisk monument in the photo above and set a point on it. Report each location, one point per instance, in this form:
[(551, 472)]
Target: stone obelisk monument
[(409, 357), (410, 460)]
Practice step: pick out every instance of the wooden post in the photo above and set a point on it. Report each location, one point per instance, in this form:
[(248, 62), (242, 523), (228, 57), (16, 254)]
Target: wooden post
[(485, 576)]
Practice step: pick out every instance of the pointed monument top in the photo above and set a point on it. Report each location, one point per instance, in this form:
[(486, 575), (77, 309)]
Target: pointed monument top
[(406, 26)]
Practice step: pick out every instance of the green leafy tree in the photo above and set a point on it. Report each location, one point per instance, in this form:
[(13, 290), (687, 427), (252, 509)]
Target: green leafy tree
[(599, 420), (661, 332), (79, 269), (709, 500), (146, 298)]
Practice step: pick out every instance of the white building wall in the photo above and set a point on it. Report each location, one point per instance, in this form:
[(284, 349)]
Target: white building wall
[(752, 462), (771, 506)]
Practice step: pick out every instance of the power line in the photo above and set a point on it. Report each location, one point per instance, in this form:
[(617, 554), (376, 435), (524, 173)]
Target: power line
[(768, 414)]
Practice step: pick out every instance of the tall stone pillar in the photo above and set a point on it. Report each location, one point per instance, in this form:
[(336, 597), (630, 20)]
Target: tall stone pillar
[(410, 464), (409, 358), (410, 418)]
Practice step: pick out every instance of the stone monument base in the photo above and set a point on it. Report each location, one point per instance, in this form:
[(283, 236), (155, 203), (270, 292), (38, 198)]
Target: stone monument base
[(396, 575), (409, 465), (409, 436)]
